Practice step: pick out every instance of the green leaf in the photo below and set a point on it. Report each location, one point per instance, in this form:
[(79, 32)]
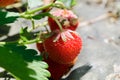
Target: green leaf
[(68, 3), (41, 15), (7, 17), (34, 3), (22, 63), (4, 30), (25, 35)]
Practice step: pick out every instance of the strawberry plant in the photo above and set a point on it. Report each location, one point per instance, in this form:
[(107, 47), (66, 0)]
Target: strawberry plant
[(22, 63)]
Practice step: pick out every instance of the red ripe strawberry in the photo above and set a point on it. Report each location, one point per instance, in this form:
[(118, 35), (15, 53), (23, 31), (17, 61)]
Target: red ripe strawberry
[(63, 47), (40, 47), (67, 19), (57, 70), (4, 3)]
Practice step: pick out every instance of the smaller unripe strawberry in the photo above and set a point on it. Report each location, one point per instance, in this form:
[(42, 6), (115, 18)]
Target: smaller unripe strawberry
[(63, 47), (42, 51), (40, 47), (4, 3), (67, 19)]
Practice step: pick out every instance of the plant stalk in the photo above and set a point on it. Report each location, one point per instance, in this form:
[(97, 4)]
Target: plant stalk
[(36, 10), (58, 23)]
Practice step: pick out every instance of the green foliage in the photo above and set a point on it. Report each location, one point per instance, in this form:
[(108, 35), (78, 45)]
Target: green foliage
[(22, 63), (7, 17), (25, 35)]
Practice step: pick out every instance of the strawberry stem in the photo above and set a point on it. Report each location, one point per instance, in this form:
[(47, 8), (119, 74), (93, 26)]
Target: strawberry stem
[(40, 8), (20, 42), (33, 23), (29, 42), (27, 13), (38, 25), (60, 26), (58, 23), (59, 4), (13, 42)]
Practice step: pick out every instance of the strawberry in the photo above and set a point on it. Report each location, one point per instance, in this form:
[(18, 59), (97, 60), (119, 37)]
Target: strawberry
[(4, 3), (67, 19), (40, 47), (63, 47), (57, 70)]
